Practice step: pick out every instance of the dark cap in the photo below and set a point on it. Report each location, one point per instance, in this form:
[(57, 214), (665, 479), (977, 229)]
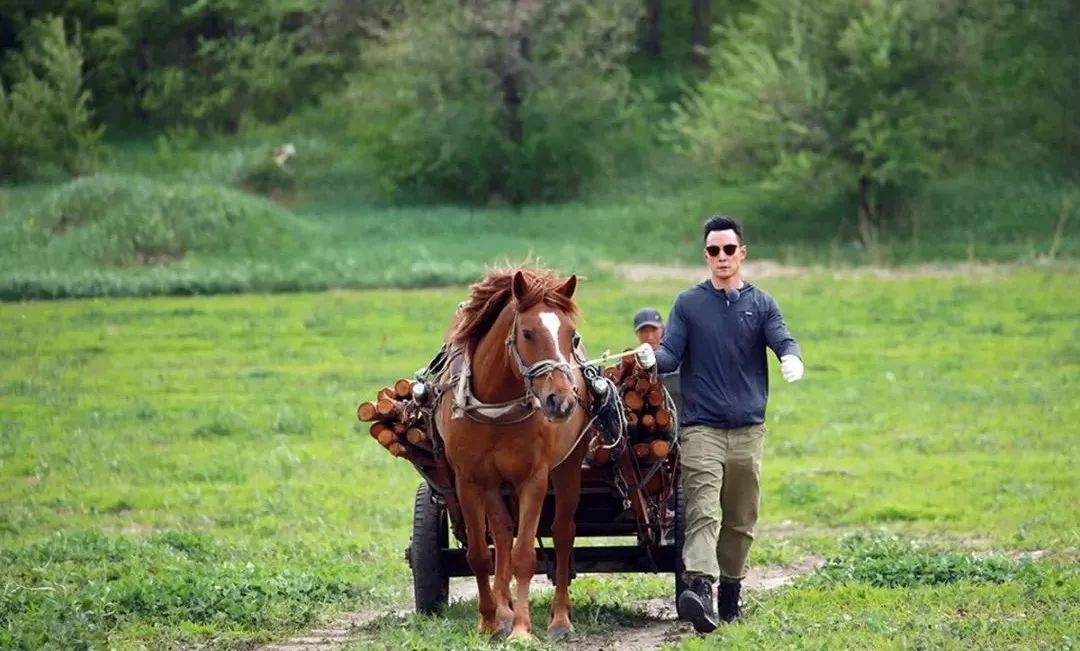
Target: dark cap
[(647, 316)]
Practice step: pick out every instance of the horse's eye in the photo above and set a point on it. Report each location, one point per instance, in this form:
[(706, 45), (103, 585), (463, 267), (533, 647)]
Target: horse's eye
[(576, 341), (527, 335)]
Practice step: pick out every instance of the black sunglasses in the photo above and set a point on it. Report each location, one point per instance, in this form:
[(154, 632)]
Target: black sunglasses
[(729, 249)]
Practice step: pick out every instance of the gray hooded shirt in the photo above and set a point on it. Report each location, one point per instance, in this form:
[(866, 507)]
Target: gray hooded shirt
[(719, 347)]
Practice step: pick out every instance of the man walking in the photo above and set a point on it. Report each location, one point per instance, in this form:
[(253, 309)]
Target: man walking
[(717, 333)]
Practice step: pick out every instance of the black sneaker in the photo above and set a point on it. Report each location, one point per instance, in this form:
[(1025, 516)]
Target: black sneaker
[(696, 605), (727, 600)]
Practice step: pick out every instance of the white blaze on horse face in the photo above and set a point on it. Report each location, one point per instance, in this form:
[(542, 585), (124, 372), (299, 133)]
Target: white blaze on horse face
[(552, 323)]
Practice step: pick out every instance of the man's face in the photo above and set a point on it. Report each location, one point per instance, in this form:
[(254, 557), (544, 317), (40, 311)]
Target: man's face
[(729, 253), (650, 334)]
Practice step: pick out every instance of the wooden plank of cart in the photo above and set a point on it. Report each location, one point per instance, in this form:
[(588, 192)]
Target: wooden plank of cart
[(630, 487)]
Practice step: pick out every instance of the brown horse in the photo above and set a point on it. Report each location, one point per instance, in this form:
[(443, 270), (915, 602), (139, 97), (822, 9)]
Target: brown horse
[(517, 330)]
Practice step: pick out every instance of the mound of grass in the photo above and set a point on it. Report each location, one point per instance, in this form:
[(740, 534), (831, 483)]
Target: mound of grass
[(110, 221)]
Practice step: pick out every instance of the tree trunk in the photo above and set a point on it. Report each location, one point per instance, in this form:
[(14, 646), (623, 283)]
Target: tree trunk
[(513, 88), (699, 54), (869, 220), (653, 34), (514, 67)]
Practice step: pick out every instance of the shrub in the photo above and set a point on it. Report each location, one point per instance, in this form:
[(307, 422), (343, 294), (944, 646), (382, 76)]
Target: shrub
[(270, 176), (45, 124), (514, 102)]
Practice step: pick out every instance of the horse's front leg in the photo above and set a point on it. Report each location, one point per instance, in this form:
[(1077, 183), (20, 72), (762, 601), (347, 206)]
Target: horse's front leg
[(473, 499), (566, 482), (531, 494), (502, 532)]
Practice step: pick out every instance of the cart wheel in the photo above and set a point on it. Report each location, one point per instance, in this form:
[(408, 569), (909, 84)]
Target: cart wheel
[(680, 538), (431, 584)]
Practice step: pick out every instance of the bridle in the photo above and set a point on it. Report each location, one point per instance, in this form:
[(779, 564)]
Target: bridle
[(543, 367)]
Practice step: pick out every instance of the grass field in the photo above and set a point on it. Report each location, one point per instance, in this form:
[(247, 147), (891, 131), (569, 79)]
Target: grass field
[(180, 472)]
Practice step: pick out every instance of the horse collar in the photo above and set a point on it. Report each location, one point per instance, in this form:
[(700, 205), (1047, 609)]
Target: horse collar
[(465, 402), (512, 411)]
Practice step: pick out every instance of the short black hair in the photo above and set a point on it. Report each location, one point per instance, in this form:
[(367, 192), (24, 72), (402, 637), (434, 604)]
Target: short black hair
[(722, 223)]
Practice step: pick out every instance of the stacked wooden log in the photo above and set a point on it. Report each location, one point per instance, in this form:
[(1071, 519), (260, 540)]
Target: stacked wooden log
[(650, 425), (398, 423)]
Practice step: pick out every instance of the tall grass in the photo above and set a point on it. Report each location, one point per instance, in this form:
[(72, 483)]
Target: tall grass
[(171, 220)]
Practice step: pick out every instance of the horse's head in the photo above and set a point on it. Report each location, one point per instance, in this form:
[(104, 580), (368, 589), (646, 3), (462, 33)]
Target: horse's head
[(543, 343)]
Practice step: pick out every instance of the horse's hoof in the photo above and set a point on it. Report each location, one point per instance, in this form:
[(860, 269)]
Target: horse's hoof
[(506, 626), (521, 633), (559, 631), (490, 628)]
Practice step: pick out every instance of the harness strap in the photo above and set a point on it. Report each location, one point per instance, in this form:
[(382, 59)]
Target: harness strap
[(512, 411), (502, 413)]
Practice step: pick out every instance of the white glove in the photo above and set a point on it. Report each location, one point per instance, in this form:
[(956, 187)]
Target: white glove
[(646, 358), (791, 367)]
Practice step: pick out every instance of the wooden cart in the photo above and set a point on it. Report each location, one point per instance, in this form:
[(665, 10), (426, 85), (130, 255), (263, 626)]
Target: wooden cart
[(632, 495)]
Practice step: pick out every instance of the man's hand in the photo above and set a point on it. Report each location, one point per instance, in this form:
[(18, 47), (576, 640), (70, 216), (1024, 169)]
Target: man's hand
[(791, 367), (646, 358)]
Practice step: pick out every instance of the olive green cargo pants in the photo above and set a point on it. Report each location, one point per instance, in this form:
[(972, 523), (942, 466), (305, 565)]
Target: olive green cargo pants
[(721, 469)]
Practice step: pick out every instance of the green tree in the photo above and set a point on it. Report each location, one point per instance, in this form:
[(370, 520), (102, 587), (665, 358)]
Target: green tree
[(1030, 98), (217, 65), (210, 64), (45, 119), (862, 97), (107, 70), (476, 100)]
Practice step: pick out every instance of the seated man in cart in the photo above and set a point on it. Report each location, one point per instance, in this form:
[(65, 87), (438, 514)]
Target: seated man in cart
[(649, 329), (717, 336)]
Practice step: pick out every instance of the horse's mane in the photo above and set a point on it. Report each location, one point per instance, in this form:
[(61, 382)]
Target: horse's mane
[(489, 296)]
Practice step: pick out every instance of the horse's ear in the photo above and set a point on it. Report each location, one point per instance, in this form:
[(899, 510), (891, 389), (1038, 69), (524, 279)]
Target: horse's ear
[(567, 288), (520, 287)]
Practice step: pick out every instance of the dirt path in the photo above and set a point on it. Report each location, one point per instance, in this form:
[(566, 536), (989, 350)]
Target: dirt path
[(659, 626)]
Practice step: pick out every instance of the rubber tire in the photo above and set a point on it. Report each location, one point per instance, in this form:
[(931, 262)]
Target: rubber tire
[(680, 539), (430, 535)]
